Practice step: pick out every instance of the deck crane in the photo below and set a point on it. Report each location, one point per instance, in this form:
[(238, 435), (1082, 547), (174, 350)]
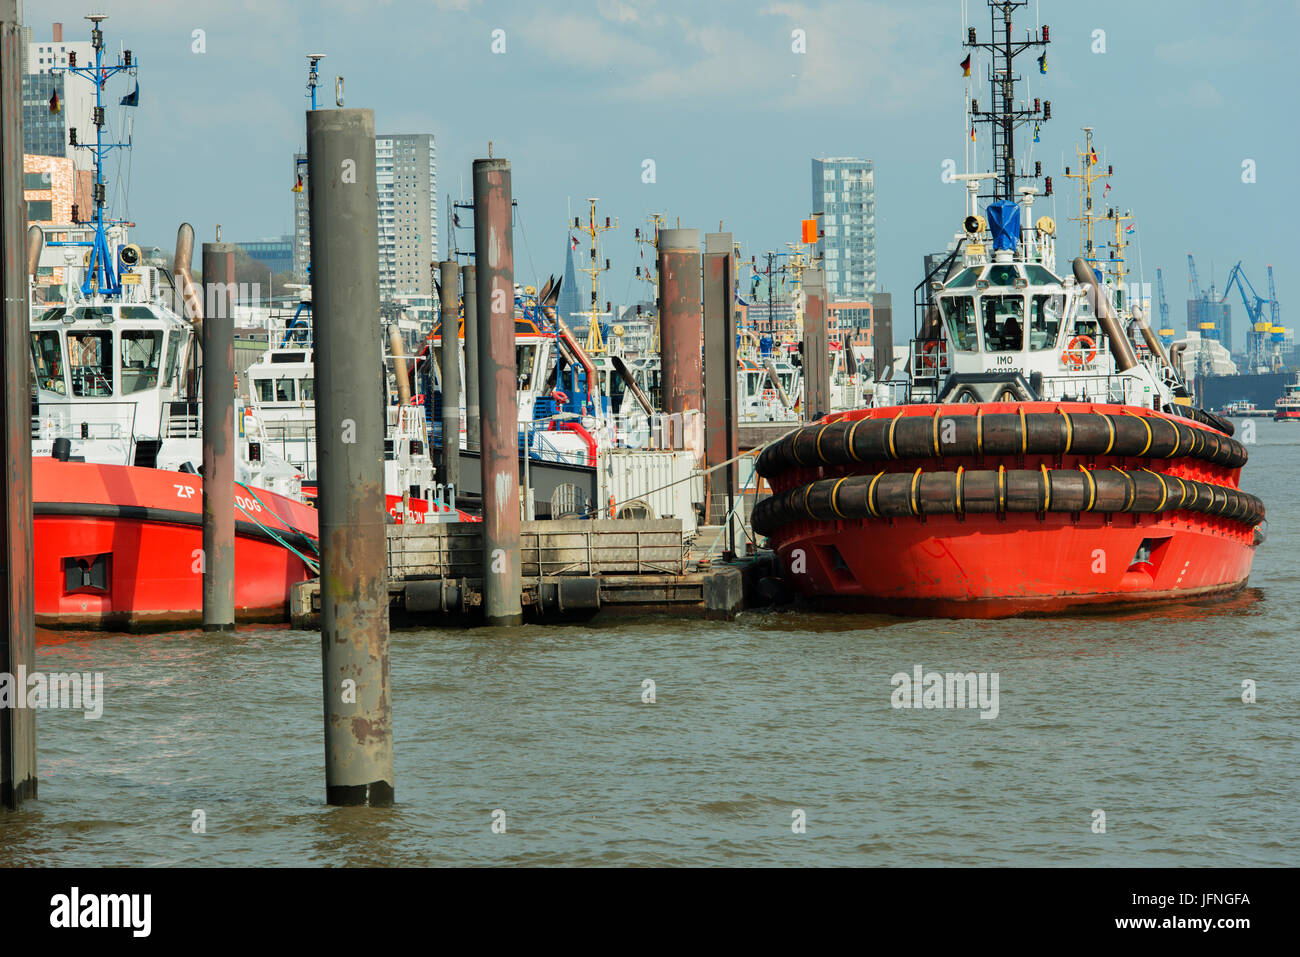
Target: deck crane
[(1191, 272)]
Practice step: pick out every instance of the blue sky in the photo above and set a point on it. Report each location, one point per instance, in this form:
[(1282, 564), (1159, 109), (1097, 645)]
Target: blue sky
[(1184, 93)]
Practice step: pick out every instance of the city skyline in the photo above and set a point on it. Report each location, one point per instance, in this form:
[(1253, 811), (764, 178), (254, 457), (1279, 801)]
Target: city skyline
[(875, 81)]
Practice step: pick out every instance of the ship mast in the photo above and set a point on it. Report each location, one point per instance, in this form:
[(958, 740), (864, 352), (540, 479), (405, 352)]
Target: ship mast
[(1090, 170), (651, 239), (595, 343), (101, 273), (1004, 117)]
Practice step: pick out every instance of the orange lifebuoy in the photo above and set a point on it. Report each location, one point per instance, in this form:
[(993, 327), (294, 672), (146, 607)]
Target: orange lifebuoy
[(1074, 352), (930, 355)]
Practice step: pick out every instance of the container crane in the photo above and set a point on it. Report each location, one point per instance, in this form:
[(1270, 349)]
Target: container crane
[(1166, 330), (1275, 310), (1206, 326), (1191, 272), (1257, 333)]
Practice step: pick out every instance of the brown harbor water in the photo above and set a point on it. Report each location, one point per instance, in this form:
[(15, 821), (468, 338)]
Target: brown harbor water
[(1139, 716)]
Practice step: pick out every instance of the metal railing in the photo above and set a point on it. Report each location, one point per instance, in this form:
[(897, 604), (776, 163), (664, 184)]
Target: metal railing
[(547, 549), (110, 420)]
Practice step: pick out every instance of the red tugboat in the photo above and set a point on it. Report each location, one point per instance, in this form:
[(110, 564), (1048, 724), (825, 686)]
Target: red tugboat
[(1288, 403), (117, 500), (118, 547), (1040, 459)]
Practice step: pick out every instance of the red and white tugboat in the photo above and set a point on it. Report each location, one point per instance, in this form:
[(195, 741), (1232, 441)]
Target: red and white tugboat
[(115, 438), (1288, 403), (1038, 460)]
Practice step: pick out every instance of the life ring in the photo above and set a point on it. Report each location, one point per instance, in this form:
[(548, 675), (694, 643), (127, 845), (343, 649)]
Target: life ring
[(930, 355), (1074, 355)]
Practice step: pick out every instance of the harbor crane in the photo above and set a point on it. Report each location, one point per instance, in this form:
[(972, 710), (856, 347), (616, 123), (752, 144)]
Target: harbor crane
[(1191, 274), (1166, 330), (1257, 332), (1275, 310)]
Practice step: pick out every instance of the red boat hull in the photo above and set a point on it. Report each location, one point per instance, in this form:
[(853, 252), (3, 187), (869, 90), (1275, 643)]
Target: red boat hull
[(119, 547), (982, 565), (986, 567)]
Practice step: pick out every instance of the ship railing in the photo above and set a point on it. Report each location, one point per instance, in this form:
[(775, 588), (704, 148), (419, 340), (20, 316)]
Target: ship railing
[(542, 448), (930, 360), (291, 331), (110, 420), (294, 442), (179, 419), (1118, 389)]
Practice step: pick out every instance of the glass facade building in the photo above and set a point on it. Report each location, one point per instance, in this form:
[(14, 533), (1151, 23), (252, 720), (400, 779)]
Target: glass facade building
[(277, 256), (844, 201)]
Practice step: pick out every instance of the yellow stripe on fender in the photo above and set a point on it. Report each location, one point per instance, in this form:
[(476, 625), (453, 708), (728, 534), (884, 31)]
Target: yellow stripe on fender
[(892, 425), (835, 491), (1092, 488), (871, 495), (1164, 489)]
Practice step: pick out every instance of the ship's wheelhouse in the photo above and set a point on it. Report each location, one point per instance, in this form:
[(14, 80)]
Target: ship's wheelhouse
[(993, 314), (104, 351)]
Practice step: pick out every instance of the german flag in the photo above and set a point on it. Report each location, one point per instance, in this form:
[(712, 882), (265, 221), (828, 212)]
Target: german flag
[(55, 106), (297, 187), (965, 66)]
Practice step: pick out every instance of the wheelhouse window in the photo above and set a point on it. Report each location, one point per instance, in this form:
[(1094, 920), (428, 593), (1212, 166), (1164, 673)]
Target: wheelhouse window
[(965, 278), (283, 390), (1045, 312), (47, 359), (1004, 323), (1002, 275), (173, 349), (306, 389), (1040, 275), (142, 352), (524, 358), (90, 360), (265, 390), (959, 316)]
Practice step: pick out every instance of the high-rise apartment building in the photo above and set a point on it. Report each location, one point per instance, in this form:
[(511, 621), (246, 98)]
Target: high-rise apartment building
[(844, 200), (407, 215), (406, 168)]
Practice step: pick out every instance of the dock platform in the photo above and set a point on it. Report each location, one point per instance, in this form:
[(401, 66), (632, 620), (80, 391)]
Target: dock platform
[(571, 569)]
